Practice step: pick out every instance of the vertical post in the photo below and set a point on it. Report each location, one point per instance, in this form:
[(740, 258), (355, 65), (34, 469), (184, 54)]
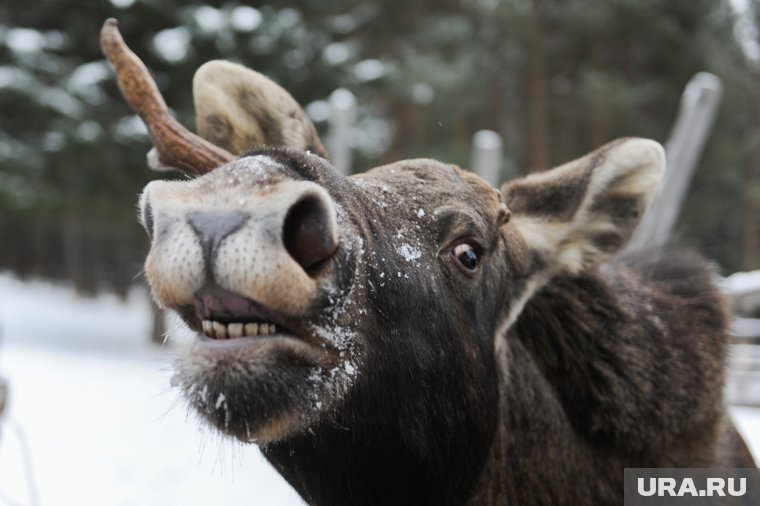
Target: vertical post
[(3, 397), (538, 92), (157, 322), (342, 112), (486, 156), (699, 106)]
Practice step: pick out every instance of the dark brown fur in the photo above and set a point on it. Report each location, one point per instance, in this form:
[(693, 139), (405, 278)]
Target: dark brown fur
[(534, 378)]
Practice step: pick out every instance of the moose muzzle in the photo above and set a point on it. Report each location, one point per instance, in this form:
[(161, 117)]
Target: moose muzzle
[(246, 228)]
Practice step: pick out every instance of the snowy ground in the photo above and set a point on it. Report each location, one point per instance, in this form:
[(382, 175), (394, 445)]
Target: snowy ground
[(103, 428), (93, 403)]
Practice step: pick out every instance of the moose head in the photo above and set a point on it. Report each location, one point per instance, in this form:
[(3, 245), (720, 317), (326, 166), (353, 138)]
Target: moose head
[(357, 327)]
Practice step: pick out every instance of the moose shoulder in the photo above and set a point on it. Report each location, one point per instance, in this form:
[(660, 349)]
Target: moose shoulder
[(410, 335)]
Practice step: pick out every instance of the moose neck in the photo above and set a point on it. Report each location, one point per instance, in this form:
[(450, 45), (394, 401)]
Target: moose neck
[(537, 457), (558, 366), (424, 455), (390, 445), (334, 465)]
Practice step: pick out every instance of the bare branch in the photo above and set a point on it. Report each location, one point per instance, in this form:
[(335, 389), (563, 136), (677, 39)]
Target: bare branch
[(175, 145)]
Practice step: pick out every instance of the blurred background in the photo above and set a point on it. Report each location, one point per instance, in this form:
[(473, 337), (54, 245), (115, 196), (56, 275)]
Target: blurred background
[(86, 421)]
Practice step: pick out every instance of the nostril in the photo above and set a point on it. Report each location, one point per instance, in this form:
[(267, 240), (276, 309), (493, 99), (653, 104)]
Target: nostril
[(309, 232)]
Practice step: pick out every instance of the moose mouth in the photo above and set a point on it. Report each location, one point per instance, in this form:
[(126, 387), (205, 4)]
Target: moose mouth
[(225, 315), (252, 372)]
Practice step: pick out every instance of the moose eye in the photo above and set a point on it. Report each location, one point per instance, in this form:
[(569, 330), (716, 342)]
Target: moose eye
[(467, 255)]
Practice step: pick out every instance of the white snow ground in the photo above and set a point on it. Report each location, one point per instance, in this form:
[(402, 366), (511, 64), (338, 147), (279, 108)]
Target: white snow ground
[(102, 425), (93, 403)]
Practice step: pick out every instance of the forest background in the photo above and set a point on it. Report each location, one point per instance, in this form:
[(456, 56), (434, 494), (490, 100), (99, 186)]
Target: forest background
[(556, 78)]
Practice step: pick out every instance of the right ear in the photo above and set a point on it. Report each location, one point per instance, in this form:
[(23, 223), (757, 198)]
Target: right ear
[(578, 215), (237, 109)]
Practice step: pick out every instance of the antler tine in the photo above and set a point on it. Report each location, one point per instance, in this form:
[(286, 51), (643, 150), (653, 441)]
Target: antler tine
[(175, 145)]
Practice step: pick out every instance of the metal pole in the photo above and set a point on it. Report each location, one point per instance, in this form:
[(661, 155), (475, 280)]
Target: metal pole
[(487, 156), (696, 115), (342, 112)]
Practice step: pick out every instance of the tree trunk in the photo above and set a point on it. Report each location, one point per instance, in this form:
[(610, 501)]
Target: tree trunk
[(158, 325), (749, 233), (751, 225), (597, 120), (539, 99)]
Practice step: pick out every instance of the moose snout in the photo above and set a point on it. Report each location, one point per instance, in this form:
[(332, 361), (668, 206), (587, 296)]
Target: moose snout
[(265, 242), (305, 222)]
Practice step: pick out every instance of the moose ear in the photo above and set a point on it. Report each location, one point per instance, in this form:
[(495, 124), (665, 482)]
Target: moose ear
[(581, 213), (237, 109)]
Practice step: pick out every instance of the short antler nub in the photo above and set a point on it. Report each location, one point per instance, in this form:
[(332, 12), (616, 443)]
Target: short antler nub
[(175, 145)]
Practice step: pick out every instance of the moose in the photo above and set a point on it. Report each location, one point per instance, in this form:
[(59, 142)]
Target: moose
[(412, 335)]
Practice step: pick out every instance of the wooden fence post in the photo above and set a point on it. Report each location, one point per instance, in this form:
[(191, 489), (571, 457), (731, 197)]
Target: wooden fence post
[(342, 112), (487, 156), (699, 106)]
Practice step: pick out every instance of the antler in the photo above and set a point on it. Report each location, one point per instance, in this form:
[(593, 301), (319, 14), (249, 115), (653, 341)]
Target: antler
[(174, 145)]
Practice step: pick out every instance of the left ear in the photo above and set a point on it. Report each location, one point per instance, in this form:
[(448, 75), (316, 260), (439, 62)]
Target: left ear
[(578, 215), (237, 109)]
